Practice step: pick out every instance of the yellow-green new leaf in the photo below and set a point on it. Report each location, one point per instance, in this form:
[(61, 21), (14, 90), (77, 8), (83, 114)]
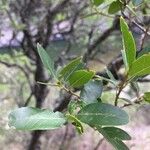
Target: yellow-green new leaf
[(128, 43), (147, 97), (75, 122)]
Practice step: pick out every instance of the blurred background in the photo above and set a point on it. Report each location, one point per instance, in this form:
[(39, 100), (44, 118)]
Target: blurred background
[(66, 29)]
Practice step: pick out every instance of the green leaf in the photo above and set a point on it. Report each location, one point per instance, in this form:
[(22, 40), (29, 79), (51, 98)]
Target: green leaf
[(147, 97), (91, 91), (75, 122), (102, 114), (70, 68), (97, 2), (28, 118), (128, 43), (114, 7), (118, 144), (114, 132), (46, 60), (73, 106), (124, 59), (137, 2), (80, 77), (140, 67)]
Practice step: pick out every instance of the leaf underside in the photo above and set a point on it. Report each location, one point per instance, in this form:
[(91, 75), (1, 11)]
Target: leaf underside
[(28, 118), (91, 91)]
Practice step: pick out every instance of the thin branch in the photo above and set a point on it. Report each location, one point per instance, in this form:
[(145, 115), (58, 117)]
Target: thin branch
[(143, 39), (136, 100), (71, 92), (122, 85)]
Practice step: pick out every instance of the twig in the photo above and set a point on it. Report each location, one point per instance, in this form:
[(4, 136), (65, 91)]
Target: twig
[(136, 100), (143, 80), (47, 83), (143, 39), (62, 87), (122, 85), (70, 92), (138, 25)]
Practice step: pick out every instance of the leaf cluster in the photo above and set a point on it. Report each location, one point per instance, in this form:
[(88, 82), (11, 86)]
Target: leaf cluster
[(87, 107)]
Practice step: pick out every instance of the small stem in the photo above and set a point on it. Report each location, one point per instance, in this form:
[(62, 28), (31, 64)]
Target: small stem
[(122, 85), (47, 83), (136, 100), (118, 94), (71, 92), (61, 86)]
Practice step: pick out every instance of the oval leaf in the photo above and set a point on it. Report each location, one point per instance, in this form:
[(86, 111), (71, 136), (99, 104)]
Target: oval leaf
[(128, 42), (114, 132), (80, 77), (28, 118), (91, 91), (118, 144), (102, 114), (46, 60), (70, 68), (140, 67), (114, 7), (97, 2)]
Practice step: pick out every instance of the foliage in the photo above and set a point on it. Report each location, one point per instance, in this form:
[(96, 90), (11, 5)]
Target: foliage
[(128, 43), (47, 61), (115, 136), (96, 87), (87, 107), (28, 118)]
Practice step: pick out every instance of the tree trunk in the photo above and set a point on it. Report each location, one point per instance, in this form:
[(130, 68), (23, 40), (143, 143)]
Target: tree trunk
[(40, 93)]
